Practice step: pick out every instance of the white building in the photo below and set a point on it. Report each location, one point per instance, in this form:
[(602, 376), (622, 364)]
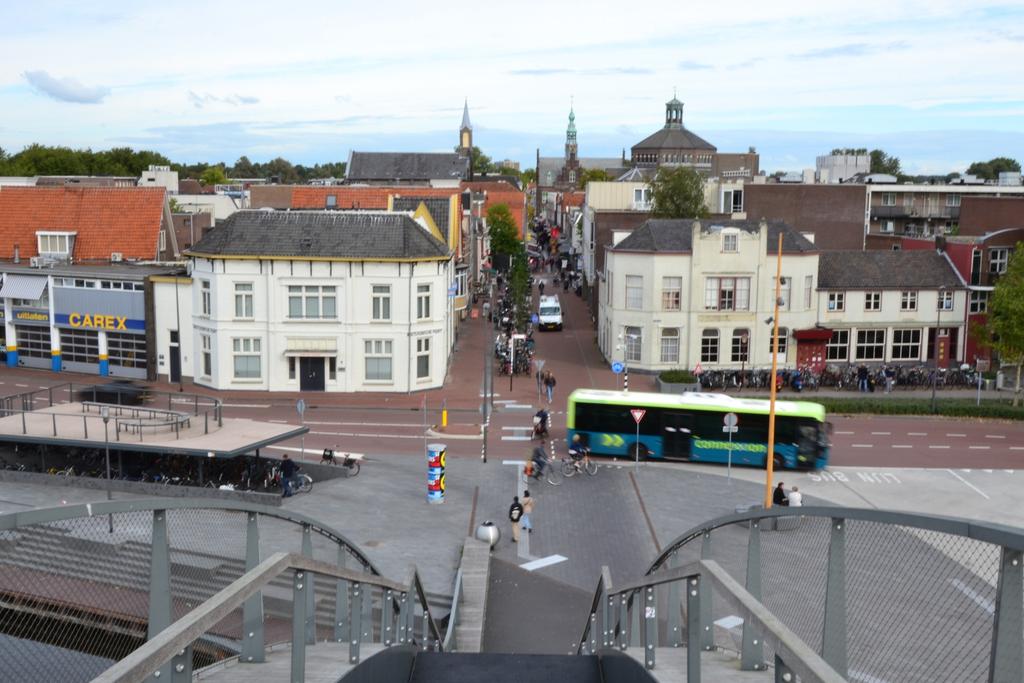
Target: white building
[(679, 292), (886, 306), (160, 176), (836, 168), (321, 301)]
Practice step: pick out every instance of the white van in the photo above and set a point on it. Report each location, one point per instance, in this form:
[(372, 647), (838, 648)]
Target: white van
[(550, 313)]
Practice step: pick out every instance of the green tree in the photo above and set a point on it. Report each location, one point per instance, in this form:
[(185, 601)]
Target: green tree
[(678, 193), (593, 175), (502, 230), (243, 168), (528, 176), (855, 151), (885, 163), (214, 175), (519, 286), (1004, 326), (282, 169), (990, 170), (480, 162)]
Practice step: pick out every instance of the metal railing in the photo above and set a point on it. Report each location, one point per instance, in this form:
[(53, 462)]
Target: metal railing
[(454, 614), (877, 595), (143, 418), (101, 579)]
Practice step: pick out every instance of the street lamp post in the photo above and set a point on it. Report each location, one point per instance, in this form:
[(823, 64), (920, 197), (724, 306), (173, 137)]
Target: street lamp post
[(105, 414), (744, 338), (935, 350)]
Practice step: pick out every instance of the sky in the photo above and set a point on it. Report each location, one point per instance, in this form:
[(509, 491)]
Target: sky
[(939, 83)]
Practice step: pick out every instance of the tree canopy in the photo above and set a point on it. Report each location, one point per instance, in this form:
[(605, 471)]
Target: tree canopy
[(593, 175), (214, 175), (885, 163), (854, 151), (1004, 325), (678, 193), (990, 170), (502, 230)]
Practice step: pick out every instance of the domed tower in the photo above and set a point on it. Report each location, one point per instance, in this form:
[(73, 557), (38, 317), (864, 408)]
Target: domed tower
[(674, 113)]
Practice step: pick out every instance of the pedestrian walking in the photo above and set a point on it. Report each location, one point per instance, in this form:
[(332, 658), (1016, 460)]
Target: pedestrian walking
[(540, 288), (890, 378), (779, 496), (540, 382), (796, 499), (515, 514), (549, 385), (862, 377), (288, 468), (527, 512)]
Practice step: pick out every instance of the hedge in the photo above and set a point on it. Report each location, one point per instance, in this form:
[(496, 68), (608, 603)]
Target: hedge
[(678, 377), (948, 407)]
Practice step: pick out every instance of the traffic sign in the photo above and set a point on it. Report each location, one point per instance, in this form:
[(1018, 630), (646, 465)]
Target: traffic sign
[(618, 367), (638, 414), (730, 420), (300, 406), (730, 430), (535, 318)]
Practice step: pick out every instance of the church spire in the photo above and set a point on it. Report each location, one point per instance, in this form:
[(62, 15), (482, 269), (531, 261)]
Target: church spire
[(465, 117), (465, 132), (570, 132)]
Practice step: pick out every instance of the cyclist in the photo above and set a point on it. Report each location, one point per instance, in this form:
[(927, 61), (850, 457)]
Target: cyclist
[(539, 460), (540, 424), (579, 453)]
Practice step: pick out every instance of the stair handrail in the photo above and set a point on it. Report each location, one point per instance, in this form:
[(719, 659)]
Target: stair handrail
[(172, 641), (454, 613)]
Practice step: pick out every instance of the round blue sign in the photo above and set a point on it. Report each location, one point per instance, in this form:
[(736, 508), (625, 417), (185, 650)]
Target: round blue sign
[(618, 367), (535, 318)]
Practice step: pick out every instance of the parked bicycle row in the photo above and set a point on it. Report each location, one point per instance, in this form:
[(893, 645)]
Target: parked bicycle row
[(851, 377)]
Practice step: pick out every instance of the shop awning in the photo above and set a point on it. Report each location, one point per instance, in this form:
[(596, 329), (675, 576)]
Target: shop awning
[(314, 346), (818, 334), (22, 287)]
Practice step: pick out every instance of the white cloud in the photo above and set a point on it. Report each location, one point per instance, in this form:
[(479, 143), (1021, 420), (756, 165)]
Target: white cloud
[(201, 100), (65, 89)]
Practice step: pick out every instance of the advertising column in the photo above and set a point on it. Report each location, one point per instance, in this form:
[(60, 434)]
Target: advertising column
[(435, 472)]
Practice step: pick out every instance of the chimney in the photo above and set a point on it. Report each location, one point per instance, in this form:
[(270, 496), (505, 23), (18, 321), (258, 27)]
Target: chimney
[(17, 254)]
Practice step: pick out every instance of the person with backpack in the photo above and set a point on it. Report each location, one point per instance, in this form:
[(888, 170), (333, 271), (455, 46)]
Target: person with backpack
[(515, 513), (549, 385)]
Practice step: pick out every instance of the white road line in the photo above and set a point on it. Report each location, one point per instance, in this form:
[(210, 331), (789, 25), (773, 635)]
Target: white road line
[(518, 406), (994, 436), (970, 485), (507, 400), (365, 424), (901, 446), (980, 600), (917, 433), (543, 562), (513, 462), (881, 433), (246, 405), (978, 448), (516, 429), (1017, 448), (843, 432), (962, 435), (514, 438), (862, 445), (942, 447), (280, 422), (376, 436), (42, 387), (23, 386)]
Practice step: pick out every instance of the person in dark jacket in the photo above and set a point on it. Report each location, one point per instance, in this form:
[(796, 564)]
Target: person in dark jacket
[(288, 469), (862, 377), (779, 496)]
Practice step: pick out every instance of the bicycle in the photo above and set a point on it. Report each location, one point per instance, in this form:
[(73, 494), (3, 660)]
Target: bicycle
[(572, 466), (349, 463), (551, 474), (301, 482)]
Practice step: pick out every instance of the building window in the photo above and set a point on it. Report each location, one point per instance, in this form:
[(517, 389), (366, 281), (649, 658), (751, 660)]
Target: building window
[(33, 341), (670, 345), (422, 302), (952, 200), (908, 301), (634, 292), (808, 290), (732, 201), (246, 357), (872, 301), (162, 241), (378, 360), (460, 283), (382, 302), (312, 302), (634, 344), (55, 243), (332, 368), (906, 344), (838, 347), (997, 260), (709, 346), (976, 267), (888, 199), (671, 293), (945, 301), (206, 347), (783, 342), (979, 302), (837, 301), (206, 299), (730, 242), (243, 300), (291, 368), (740, 346), (889, 226), (79, 346), (608, 298), (727, 293), (127, 350), (785, 292), (423, 358), (332, 201), (870, 344)]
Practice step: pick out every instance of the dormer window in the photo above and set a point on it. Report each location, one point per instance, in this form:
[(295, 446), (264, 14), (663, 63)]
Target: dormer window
[(730, 242), (57, 244)]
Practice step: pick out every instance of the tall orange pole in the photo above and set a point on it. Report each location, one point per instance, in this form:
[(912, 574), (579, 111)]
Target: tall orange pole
[(770, 464)]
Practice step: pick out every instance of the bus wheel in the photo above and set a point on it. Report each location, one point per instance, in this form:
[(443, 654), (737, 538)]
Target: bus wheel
[(638, 451)]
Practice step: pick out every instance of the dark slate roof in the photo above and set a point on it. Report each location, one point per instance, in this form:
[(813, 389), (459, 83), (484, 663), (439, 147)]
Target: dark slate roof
[(437, 206), (323, 234), (406, 166), (674, 138), (923, 268), (676, 235)]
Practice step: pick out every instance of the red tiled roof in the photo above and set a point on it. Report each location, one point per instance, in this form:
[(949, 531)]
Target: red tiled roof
[(514, 200), (105, 220), (573, 198)]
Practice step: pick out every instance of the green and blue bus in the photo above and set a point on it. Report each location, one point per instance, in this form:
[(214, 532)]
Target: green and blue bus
[(689, 427)]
